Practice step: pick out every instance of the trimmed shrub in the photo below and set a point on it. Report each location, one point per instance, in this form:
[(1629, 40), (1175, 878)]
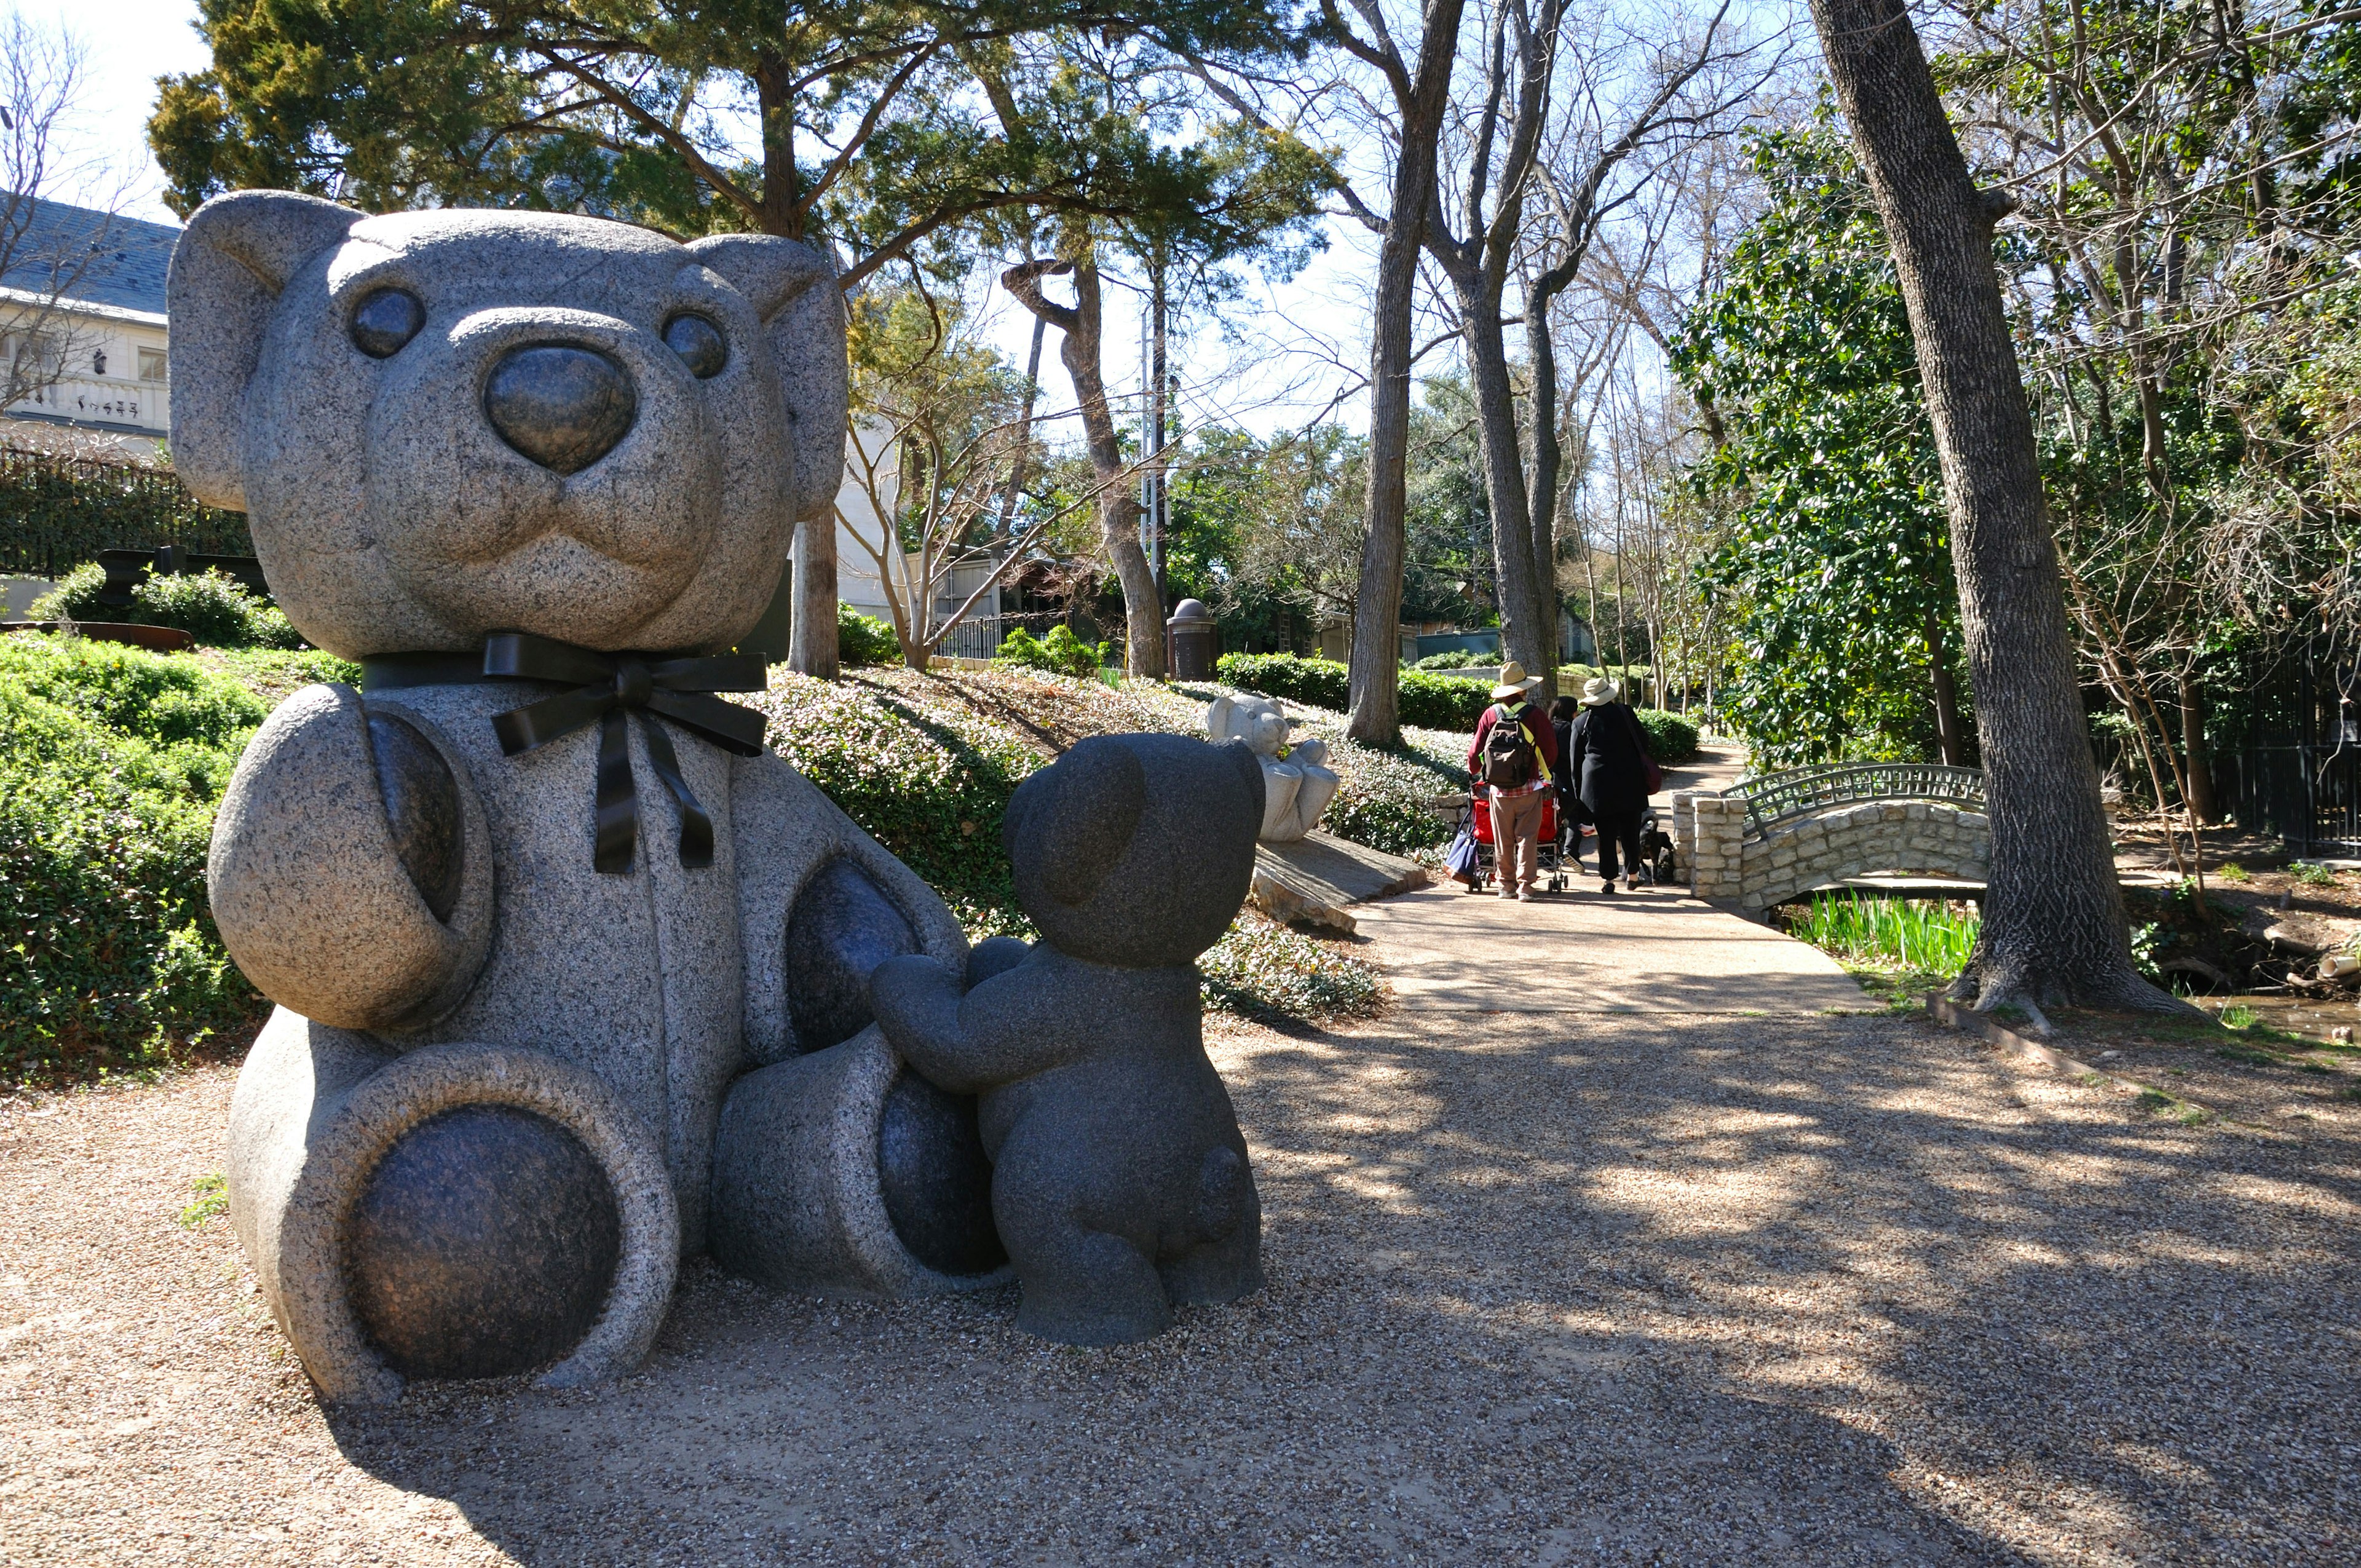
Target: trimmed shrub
[(1429, 701), (1061, 653), (1671, 738), (209, 606), (1457, 659), (863, 640), (1318, 682), (1443, 702), (111, 763)]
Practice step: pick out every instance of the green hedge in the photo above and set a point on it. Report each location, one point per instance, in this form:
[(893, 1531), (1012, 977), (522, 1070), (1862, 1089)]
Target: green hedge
[(863, 640), (1427, 700), (1670, 739), (1317, 683), (58, 512), (111, 761)]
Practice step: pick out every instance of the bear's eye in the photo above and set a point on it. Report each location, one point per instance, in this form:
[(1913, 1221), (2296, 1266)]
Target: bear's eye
[(698, 344), (384, 320)]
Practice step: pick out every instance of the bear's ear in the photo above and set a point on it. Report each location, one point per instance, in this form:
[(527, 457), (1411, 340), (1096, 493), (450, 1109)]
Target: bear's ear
[(793, 287), (770, 271), (1087, 805), (1221, 717), (228, 271)]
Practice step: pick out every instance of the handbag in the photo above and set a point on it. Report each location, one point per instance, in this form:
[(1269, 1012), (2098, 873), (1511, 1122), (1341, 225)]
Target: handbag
[(1655, 775), (1462, 859)]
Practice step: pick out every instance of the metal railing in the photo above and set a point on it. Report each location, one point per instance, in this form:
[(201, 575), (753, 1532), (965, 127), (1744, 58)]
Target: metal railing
[(1777, 797)]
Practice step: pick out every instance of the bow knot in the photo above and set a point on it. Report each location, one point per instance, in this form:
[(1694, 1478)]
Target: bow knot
[(608, 689), (633, 683)]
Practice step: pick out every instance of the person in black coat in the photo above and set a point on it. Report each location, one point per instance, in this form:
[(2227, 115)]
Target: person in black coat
[(1571, 817), (1605, 756)]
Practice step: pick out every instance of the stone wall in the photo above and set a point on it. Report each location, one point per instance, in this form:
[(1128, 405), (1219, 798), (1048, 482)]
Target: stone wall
[(1720, 864)]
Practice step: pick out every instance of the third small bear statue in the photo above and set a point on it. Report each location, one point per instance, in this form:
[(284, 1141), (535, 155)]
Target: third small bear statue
[(1120, 1181)]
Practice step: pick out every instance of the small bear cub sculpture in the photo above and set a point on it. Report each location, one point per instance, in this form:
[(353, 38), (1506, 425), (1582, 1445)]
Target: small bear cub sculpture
[(1296, 791), (1120, 1183)]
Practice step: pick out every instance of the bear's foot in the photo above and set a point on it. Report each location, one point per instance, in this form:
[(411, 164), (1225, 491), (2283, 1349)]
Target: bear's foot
[(484, 1245), (1216, 1272), (1091, 1288), (461, 1211)]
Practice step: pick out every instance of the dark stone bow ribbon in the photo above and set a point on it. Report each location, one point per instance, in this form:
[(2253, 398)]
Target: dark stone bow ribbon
[(608, 688)]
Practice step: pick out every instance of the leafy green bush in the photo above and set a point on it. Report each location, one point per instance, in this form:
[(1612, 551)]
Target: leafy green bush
[(214, 609), (111, 763), (1061, 653), (1671, 738), (1443, 702), (1321, 683), (864, 640), (1458, 659)]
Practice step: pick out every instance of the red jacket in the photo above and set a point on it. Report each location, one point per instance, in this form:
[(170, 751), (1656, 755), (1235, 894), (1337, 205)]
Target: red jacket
[(1538, 730)]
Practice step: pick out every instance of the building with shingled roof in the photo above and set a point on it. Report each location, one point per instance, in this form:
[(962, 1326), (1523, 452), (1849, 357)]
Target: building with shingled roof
[(82, 318)]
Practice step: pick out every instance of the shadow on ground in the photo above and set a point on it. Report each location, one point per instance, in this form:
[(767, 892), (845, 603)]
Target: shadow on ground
[(1614, 1289)]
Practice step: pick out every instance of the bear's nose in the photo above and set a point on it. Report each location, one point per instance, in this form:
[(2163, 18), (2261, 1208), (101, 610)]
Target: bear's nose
[(564, 408)]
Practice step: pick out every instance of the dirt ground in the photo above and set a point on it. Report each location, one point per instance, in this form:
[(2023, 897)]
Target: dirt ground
[(1712, 1289)]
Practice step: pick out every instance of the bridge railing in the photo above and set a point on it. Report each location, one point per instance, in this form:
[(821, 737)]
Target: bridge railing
[(1776, 797)]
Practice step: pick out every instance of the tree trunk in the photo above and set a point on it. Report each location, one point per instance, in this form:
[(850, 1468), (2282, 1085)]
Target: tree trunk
[(1525, 633), (1376, 681), (811, 633), (2198, 762), (2053, 925), (1024, 432), (1947, 737), (1080, 325)]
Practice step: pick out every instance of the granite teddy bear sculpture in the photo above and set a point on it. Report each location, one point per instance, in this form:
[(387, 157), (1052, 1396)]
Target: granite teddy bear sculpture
[(1120, 1182), (572, 976), (1295, 791)]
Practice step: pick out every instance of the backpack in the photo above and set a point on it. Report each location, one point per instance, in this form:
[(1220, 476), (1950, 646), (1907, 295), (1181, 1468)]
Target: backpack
[(1508, 758)]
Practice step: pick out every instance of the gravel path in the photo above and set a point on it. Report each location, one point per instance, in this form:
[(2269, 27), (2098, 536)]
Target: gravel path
[(1702, 1290)]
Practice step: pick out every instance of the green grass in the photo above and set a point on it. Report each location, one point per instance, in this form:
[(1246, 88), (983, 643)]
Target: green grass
[(2233, 871), (1915, 935)]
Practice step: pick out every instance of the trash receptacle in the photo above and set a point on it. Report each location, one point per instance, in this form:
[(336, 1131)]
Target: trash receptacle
[(1195, 640)]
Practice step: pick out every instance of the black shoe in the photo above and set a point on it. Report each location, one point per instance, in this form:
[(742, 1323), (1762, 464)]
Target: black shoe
[(1610, 886)]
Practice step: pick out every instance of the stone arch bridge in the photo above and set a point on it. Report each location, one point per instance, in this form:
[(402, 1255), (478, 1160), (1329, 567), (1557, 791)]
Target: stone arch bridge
[(1772, 839)]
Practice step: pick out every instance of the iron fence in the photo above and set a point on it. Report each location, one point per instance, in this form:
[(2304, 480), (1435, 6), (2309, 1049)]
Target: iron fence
[(2297, 775), (1799, 791), (57, 512)]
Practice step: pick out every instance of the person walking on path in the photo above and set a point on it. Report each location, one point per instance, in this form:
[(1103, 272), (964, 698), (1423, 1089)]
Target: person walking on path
[(1604, 751), (1515, 754), (1571, 818)]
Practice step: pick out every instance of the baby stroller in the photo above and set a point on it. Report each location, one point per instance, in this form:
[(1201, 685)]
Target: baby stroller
[(1471, 816)]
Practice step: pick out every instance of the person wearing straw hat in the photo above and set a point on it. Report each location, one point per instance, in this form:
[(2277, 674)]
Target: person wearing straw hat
[(1519, 764), (1607, 758)]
